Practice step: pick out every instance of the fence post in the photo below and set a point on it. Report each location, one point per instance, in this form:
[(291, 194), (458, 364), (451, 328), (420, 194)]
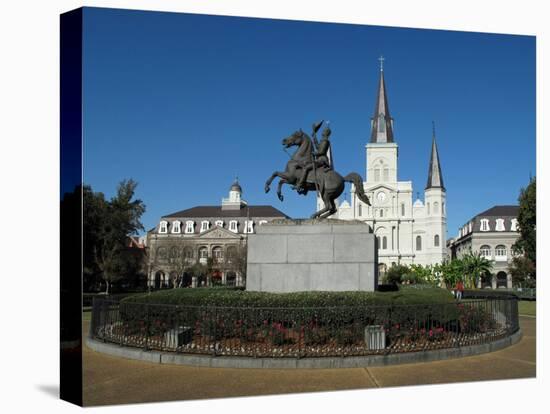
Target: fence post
[(214, 330), (147, 323), (104, 312), (93, 318), (178, 350), (301, 333), (121, 325)]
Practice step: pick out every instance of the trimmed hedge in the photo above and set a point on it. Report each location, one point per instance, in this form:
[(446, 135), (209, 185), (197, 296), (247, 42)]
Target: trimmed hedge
[(488, 294), (231, 297)]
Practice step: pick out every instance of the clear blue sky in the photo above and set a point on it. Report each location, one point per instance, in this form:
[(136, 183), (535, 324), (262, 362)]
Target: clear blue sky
[(183, 103)]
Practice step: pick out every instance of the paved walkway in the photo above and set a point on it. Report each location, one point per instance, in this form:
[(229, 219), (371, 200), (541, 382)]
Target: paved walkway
[(111, 380)]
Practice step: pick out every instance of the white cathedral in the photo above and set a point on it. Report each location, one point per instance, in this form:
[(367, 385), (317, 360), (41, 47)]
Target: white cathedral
[(407, 232)]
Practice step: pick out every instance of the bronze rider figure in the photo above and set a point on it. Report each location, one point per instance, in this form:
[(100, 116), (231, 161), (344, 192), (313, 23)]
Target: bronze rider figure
[(320, 156)]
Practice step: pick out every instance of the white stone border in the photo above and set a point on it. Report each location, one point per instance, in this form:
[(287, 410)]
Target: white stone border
[(300, 363)]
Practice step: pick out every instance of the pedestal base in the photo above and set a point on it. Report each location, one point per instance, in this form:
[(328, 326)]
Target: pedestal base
[(312, 255)]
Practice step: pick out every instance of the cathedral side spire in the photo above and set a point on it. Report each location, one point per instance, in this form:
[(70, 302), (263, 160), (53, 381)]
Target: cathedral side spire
[(381, 122), (435, 178)]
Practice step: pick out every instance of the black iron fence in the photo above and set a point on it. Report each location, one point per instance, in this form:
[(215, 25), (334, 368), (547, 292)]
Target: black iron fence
[(303, 332)]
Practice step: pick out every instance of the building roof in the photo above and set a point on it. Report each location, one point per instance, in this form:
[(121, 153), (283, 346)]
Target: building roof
[(506, 213), (435, 178), (500, 211), (382, 127), (216, 211)]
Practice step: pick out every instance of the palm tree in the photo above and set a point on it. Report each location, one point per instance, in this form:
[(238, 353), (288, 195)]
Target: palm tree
[(475, 266)]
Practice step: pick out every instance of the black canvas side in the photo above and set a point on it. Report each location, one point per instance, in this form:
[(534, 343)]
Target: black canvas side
[(71, 207)]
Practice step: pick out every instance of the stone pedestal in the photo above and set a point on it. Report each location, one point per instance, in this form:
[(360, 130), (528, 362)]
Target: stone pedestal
[(311, 255)]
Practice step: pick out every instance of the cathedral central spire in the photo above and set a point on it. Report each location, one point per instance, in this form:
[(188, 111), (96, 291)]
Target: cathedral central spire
[(435, 178), (381, 122)]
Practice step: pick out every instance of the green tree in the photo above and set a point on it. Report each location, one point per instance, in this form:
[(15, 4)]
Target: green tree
[(107, 225), (452, 271), (94, 210), (422, 274), (523, 271), (474, 267), (527, 223)]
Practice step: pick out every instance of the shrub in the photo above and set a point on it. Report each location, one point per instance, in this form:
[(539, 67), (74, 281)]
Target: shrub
[(395, 273), (230, 297), (222, 312)]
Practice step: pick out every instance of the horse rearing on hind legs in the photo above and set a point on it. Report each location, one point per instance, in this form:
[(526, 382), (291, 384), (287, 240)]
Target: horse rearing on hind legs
[(329, 184)]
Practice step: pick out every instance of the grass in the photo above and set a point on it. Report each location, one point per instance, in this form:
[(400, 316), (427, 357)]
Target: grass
[(527, 307)]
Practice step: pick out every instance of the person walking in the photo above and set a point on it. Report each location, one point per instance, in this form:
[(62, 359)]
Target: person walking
[(459, 289)]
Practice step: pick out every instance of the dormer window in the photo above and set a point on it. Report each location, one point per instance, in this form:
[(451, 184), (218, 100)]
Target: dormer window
[(500, 225), (205, 225), (189, 227), (514, 226), (176, 227), (249, 226), (219, 223), (485, 225), (470, 227), (163, 228), (233, 226)]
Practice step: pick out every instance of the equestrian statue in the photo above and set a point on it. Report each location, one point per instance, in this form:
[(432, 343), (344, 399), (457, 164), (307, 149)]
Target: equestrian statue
[(311, 168)]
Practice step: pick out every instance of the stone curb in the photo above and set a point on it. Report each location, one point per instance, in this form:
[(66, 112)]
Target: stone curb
[(302, 363)]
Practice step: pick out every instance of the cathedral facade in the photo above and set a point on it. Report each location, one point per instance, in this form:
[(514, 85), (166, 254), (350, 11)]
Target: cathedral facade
[(407, 232)]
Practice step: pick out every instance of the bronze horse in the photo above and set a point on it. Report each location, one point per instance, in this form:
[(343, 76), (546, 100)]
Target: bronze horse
[(327, 182)]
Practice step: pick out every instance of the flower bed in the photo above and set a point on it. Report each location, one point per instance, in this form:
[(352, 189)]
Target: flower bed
[(304, 331)]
